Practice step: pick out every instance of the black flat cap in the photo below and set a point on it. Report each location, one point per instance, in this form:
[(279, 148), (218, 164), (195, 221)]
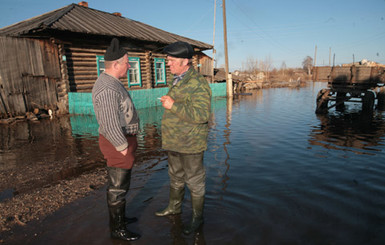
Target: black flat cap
[(114, 51), (179, 50)]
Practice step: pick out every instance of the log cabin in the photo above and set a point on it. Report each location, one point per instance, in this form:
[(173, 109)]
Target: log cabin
[(51, 61)]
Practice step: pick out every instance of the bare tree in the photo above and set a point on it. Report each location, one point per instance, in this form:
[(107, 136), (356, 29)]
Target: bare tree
[(307, 64), (251, 65), (266, 66), (283, 67)]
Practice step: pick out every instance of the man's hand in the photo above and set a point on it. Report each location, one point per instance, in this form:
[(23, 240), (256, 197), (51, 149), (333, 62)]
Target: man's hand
[(124, 152), (167, 102)]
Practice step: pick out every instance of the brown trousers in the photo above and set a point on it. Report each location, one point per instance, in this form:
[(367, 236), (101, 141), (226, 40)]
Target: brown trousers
[(113, 157)]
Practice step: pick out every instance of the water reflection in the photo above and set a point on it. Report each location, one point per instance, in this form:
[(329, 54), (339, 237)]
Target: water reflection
[(227, 132), (34, 154), (176, 229), (357, 131), (266, 180)]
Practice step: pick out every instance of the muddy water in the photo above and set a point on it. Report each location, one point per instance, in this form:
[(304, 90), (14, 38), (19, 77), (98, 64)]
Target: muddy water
[(276, 174), (36, 154)]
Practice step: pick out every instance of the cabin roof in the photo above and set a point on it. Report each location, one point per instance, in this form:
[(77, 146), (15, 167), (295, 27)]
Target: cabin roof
[(81, 19)]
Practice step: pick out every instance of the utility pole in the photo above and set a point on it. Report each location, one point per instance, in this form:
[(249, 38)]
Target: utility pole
[(229, 85), (330, 54), (315, 55), (212, 65)]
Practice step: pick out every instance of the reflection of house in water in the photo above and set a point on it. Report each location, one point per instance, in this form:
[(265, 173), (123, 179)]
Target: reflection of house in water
[(348, 132)]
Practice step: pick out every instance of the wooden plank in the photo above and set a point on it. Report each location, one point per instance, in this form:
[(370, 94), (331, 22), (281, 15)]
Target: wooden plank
[(31, 71)]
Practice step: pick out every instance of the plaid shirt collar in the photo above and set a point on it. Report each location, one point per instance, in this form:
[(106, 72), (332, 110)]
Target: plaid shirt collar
[(177, 78)]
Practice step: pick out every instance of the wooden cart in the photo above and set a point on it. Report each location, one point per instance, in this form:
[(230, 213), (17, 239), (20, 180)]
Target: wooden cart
[(362, 84)]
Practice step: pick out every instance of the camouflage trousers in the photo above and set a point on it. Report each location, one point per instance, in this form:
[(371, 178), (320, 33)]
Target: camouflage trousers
[(187, 169)]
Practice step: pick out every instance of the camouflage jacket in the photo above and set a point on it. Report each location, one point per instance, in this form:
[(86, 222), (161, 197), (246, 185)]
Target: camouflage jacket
[(185, 125)]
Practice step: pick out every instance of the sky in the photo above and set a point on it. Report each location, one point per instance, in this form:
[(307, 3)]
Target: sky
[(281, 33)]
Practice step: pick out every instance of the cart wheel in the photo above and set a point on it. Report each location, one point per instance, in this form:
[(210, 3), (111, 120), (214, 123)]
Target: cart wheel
[(368, 101), (381, 99), (322, 101)]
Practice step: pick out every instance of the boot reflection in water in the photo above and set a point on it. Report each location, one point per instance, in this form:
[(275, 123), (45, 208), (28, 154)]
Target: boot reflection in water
[(176, 229), (199, 237), (118, 186)]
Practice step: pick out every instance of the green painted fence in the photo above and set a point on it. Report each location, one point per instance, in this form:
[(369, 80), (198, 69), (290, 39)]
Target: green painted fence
[(81, 103), (150, 119)]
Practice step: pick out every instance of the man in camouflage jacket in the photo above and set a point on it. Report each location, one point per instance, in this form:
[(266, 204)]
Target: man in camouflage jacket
[(184, 132)]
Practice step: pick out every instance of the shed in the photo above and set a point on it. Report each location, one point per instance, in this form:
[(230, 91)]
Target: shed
[(45, 58)]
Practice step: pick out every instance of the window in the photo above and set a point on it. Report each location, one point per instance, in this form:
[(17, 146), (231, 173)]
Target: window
[(134, 76), (160, 71), (100, 64)]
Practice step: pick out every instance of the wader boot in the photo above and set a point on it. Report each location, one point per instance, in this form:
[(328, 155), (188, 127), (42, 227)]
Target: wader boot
[(197, 214), (174, 204), (118, 186), (130, 220), (118, 225)]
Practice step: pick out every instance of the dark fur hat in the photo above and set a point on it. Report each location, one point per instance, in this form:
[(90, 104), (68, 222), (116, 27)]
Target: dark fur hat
[(114, 51), (179, 50)]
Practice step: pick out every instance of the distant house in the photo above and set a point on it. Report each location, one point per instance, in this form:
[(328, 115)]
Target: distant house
[(261, 76), (45, 58), (220, 76)]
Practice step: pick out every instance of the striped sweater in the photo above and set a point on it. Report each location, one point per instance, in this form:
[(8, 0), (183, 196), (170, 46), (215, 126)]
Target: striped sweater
[(114, 111)]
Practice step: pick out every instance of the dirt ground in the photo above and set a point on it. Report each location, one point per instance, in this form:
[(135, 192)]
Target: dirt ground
[(41, 202)]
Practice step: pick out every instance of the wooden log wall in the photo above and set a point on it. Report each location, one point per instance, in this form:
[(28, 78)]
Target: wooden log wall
[(82, 68)]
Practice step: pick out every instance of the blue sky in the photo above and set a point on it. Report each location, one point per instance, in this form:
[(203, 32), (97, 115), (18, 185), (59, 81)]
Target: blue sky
[(277, 31)]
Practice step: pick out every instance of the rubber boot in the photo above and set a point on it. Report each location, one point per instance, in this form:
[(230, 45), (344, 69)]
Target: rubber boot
[(174, 204), (130, 220), (118, 225), (197, 214), (118, 185)]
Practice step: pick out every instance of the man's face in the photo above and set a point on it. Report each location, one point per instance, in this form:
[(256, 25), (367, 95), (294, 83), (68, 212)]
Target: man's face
[(123, 66), (177, 65)]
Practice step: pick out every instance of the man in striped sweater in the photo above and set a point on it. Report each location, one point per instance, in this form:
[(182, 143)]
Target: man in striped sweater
[(118, 126)]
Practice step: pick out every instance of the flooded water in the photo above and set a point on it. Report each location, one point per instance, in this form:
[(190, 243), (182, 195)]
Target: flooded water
[(277, 173)]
